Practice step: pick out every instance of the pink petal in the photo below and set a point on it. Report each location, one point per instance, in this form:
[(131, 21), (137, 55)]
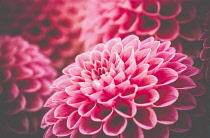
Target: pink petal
[(145, 118), (80, 59), (34, 103), (183, 124), (169, 30), (75, 71), (190, 71), (168, 95), (129, 93), (199, 90), (187, 14), (125, 108), (166, 115), (115, 126), (146, 98), (184, 82), (160, 131), (101, 113), (127, 53), (99, 47), (108, 101), (9, 92), (63, 111), (178, 67), (117, 48), (60, 97), (73, 120), (89, 127), (190, 31), (29, 85), (141, 56), (151, 7), (155, 64), (60, 129), (134, 43), (140, 72), (76, 101), (132, 131), (167, 56), (185, 101), (166, 76), (164, 46), (50, 103), (48, 133), (61, 83), (76, 134), (111, 43), (5, 75), (128, 39), (86, 109), (146, 83), (19, 73), (170, 9), (14, 107), (102, 135), (49, 118), (120, 77), (179, 57), (147, 24), (95, 55)]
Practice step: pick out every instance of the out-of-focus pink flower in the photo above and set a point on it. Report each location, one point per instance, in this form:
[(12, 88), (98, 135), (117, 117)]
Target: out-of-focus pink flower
[(205, 54), (173, 20), (52, 24), (124, 88), (25, 78)]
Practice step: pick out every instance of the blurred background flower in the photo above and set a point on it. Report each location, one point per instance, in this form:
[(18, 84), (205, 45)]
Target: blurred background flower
[(173, 20), (52, 24), (25, 78)]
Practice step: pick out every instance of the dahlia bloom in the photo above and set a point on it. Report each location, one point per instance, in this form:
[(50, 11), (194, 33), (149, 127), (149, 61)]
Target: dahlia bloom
[(52, 24), (25, 78), (173, 20), (123, 88), (205, 54)]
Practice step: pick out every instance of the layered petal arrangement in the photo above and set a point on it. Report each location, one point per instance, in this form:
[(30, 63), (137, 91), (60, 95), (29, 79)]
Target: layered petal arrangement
[(205, 54), (123, 88), (52, 24), (25, 78), (173, 20)]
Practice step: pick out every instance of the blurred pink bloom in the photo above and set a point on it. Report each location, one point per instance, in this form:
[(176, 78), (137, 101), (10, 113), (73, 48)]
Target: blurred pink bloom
[(205, 54), (173, 20), (124, 88), (52, 24), (25, 78)]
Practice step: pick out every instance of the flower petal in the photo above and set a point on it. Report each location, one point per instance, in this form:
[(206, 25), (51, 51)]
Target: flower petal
[(166, 115), (183, 124), (60, 129), (168, 95), (89, 127), (145, 118), (184, 82), (115, 126), (125, 108), (166, 76), (185, 101)]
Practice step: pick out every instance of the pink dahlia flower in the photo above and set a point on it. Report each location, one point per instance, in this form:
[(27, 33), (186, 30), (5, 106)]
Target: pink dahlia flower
[(173, 20), (124, 88), (205, 54), (25, 78), (52, 24)]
